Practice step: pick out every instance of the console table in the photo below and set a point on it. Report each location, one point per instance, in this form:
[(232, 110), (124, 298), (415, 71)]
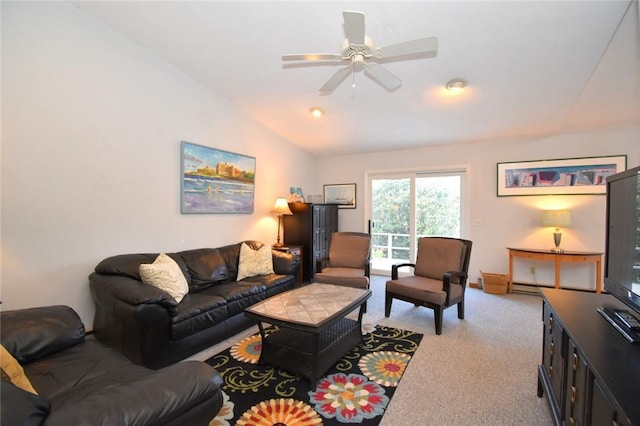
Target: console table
[(589, 372), (557, 259)]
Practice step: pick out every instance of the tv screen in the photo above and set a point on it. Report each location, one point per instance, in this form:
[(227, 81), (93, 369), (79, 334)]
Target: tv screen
[(622, 256)]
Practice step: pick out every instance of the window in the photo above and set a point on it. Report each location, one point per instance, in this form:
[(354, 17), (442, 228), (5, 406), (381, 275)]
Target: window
[(409, 205)]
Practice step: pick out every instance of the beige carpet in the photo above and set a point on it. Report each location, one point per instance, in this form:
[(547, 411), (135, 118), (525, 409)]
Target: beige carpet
[(481, 371)]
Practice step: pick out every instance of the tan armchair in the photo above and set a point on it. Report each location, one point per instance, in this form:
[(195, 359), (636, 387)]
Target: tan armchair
[(439, 280), (348, 260)]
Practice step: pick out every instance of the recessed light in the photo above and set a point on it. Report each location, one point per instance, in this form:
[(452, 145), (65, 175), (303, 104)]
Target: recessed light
[(457, 84), (316, 112)]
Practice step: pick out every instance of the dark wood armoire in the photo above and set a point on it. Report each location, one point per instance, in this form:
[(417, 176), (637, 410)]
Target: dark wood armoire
[(310, 226)]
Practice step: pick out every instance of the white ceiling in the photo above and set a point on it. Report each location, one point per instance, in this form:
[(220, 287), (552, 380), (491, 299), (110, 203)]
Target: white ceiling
[(534, 68)]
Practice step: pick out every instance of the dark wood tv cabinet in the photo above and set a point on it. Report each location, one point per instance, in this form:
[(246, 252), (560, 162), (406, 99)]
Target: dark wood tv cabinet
[(590, 374)]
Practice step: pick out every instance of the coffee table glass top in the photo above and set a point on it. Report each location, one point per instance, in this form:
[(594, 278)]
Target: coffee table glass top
[(309, 305)]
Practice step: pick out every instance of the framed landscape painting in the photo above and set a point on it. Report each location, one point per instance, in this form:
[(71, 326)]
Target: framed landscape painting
[(342, 194), (216, 181), (571, 176)]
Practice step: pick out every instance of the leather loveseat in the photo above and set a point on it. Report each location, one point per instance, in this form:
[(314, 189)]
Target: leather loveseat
[(80, 381), (152, 329)]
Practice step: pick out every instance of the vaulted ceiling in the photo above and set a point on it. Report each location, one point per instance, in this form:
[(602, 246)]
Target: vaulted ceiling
[(534, 68)]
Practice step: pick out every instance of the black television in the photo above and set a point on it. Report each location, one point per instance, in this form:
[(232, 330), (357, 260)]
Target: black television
[(622, 249)]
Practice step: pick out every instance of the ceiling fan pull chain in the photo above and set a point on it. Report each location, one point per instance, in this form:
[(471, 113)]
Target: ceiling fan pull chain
[(354, 79)]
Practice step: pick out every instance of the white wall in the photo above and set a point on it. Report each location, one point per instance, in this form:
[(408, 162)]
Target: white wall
[(506, 221), (91, 131)]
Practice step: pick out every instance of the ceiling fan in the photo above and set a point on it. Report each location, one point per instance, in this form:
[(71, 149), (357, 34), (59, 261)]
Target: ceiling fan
[(359, 53)]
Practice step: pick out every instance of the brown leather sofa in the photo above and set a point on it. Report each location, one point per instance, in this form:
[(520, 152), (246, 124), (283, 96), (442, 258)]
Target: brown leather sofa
[(80, 381), (152, 329)]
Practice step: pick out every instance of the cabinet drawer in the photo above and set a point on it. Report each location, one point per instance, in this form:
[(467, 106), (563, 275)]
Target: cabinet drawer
[(526, 255), (576, 395), (603, 411), (553, 356)]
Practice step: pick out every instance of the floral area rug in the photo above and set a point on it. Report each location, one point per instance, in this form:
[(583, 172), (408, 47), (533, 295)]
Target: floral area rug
[(357, 389)]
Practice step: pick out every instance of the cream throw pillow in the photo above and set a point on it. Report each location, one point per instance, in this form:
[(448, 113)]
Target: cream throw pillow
[(254, 262), (164, 273), (14, 371)]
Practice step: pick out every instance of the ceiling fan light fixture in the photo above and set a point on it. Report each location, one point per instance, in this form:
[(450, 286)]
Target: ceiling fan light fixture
[(316, 112), (457, 84)]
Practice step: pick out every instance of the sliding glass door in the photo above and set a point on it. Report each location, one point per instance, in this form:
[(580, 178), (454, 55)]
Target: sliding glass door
[(409, 205)]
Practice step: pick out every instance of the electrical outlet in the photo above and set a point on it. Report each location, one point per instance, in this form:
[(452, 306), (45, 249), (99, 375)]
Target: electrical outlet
[(532, 270)]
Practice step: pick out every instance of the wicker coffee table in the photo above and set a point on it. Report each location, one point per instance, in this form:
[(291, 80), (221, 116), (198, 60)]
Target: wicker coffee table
[(313, 331)]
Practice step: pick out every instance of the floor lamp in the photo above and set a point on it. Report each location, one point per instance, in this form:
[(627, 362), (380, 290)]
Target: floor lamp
[(280, 208)]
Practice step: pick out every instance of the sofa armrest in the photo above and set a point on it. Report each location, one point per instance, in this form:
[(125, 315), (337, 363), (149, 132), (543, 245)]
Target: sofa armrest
[(19, 407), (129, 290), (453, 277), (394, 269), (321, 263), (158, 398), (285, 263), (32, 333), (133, 318)]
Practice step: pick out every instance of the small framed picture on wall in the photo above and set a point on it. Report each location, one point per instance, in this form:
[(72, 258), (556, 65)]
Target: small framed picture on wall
[(343, 194)]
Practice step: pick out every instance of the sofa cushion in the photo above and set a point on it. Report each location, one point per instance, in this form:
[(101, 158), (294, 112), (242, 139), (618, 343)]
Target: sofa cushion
[(19, 407), (165, 274), (13, 371), (242, 294), (231, 256), (41, 331), (205, 266), (254, 262), (198, 311), (442, 255), (81, 367), (92, 384)]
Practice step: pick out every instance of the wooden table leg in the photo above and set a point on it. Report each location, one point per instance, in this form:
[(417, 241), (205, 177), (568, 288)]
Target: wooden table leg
[(510, 277), (599, 275)]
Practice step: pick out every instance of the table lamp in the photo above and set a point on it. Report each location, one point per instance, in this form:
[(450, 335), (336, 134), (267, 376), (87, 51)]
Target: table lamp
[(280, 207), (556, 219)]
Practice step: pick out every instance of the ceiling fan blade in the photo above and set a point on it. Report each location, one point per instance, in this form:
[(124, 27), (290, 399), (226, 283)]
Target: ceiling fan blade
[(335, 81), (422, 45), (311, 57), (383, 76), (354, 27)]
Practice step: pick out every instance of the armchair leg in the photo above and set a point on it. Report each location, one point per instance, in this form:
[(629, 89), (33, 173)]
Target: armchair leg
[(461, 310), (438, 319), (387, 305)]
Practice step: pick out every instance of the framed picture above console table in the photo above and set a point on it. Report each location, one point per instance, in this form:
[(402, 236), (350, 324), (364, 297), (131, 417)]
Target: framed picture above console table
[(557, 259)]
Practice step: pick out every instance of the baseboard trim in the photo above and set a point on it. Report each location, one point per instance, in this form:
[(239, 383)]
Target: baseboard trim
[(526, 288)]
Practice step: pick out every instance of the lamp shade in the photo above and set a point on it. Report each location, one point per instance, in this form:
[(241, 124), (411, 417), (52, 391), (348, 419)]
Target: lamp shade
[(281, 206), (556, 218)]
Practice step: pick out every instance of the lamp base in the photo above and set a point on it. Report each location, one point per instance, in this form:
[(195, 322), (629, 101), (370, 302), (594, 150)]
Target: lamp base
[(557, 236), (278, 243)]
